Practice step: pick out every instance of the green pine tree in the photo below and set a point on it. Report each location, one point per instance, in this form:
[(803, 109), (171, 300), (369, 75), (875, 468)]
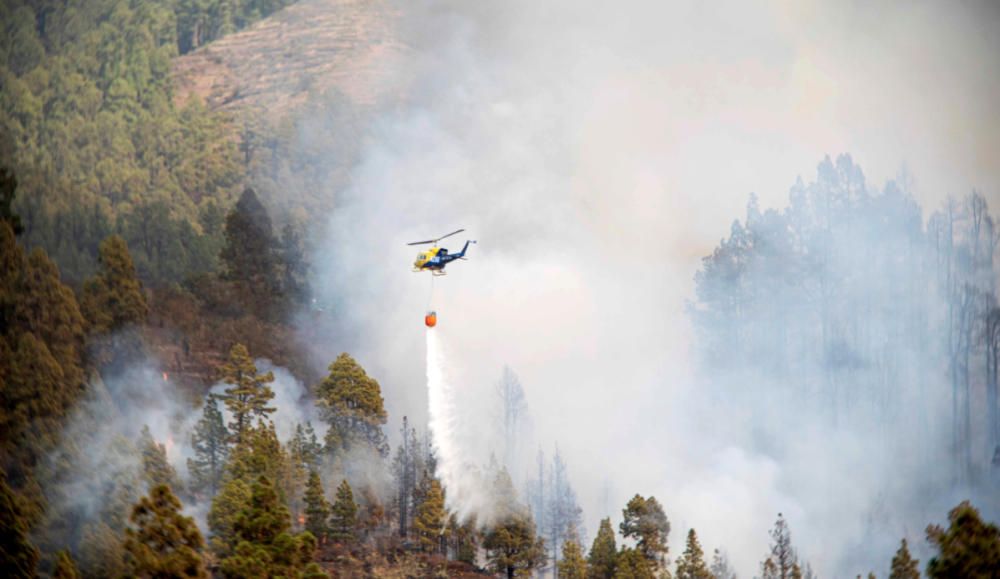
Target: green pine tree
[(265, 518), (351, 402), (645, 521), (603, 552), (249, 256), (969, 547), (573, 564), (633, 564), (691, 564), (431, 521), (265, 547), (904, 566), (261, 454), (317, 507), (163, 543), (227, 505), (512, 547), (113, 299), (248, 394), (306, 447), (210, 442), (344, 514), (41, 367)]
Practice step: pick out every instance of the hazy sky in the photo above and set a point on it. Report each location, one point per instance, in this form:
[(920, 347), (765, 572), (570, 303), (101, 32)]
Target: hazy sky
[(597, 151)]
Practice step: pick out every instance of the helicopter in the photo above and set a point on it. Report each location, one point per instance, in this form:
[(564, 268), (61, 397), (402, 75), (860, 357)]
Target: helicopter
[(435, 258)]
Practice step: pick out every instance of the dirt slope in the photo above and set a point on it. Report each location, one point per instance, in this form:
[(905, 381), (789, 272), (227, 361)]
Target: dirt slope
[(311, 47)]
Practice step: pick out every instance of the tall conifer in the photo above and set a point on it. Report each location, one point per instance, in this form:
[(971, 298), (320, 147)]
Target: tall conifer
[(351, 402), (248, 394), (344, 514)]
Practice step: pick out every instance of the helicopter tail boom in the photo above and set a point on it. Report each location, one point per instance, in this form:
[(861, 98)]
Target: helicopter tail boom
[(461, 254)]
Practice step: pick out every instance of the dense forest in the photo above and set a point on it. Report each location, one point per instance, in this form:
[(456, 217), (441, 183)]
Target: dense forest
[(91, 130), (145, 290)]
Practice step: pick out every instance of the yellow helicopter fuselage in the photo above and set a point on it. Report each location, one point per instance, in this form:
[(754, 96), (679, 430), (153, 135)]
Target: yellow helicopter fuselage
[(427, 259)]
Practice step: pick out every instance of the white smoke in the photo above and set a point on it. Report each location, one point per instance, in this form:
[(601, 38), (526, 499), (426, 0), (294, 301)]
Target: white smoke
[(598, 152)]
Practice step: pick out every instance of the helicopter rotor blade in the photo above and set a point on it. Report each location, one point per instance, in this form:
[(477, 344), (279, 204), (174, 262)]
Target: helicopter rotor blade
[(436, 240), (450, 234)]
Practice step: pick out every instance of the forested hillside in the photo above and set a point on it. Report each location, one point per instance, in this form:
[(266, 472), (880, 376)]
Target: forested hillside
[(91, 130)]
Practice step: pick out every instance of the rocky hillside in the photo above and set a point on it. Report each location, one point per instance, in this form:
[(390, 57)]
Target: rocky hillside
[(311, 48)]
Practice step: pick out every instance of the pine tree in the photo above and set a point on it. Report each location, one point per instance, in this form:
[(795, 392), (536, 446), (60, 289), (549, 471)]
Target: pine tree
[(603, 552), (265, 548), (430, 522), (632, 564), (573, 565), (265, 518), (113, 298), (232, 498), (65, 566), (305, 447), (210, 442), (18, 557), (344, 514), (512, 547), (317, 508), (248, 254), (903, 565), (41, 369), (261, 453), (156, 469), (691, 564), (969, 547), (163, 543), (351, 402), (312, 450), (782, 563), (248, 394), (645, 521)]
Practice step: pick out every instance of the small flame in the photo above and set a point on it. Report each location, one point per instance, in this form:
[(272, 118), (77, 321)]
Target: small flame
[(165, 376)]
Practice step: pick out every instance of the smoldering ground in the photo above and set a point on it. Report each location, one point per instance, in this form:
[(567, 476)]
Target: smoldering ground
[(597, 151)]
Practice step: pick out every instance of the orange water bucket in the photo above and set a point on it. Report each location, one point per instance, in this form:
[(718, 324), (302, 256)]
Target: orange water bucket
[(431, 319)]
